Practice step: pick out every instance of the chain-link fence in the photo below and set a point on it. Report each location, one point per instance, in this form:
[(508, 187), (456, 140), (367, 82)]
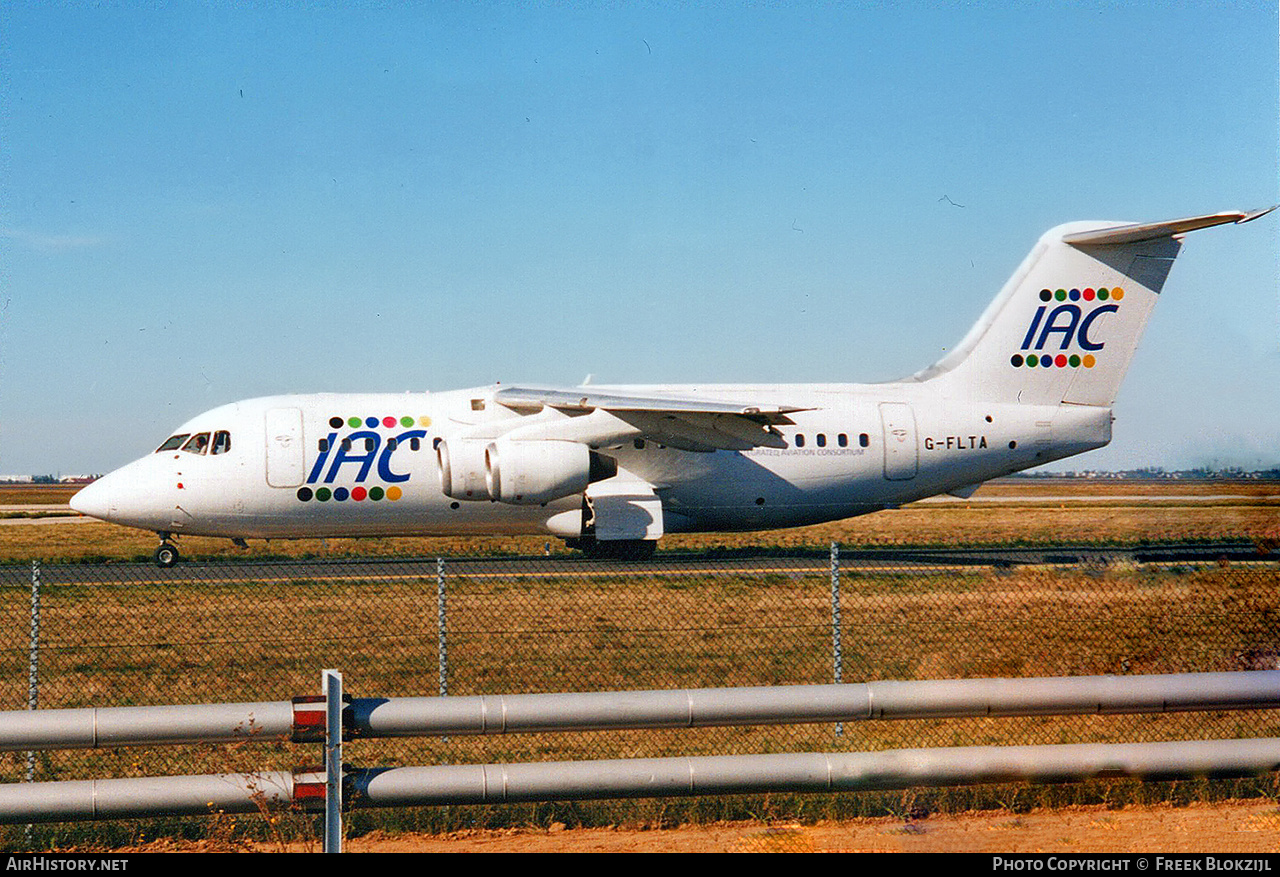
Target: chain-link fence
[(132, 634)]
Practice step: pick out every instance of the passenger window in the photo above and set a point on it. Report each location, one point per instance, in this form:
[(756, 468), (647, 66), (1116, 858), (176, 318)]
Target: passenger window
[(173, 442), (221, 442), (842, 440), (323, 445), (799, 440), (346, 444), (368, 444), (863, 440), (822, 439), (197, 444), (391, 444), (415, 444)]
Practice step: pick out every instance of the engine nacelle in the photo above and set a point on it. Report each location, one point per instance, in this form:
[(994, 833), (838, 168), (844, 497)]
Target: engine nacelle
[(462, 473), (534, 472)]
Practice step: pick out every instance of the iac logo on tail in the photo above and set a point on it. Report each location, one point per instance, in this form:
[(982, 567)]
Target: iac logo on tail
[(1069, 324)]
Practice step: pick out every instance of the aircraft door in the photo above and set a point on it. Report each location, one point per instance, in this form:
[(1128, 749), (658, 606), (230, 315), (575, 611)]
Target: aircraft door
[(901, 454), (285, 467)]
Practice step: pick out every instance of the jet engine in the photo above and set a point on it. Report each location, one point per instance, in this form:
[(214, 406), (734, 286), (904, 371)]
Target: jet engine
[(462, 474), (534, 472)]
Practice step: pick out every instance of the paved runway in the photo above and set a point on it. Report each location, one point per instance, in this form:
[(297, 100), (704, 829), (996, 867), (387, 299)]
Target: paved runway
[(60, 519), (915, 562)]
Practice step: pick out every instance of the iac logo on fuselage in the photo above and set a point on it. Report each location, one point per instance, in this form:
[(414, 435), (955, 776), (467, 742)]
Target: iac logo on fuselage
[(361, 453), (1062, 326)]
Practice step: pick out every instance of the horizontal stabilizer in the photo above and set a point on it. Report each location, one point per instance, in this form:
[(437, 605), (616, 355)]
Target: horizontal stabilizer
[(1128, 234)]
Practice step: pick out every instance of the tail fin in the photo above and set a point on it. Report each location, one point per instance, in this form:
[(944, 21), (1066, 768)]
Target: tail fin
[(1066, 325)]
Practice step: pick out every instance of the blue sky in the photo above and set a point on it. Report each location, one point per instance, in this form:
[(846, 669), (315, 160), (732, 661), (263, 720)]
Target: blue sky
[(207, 203)]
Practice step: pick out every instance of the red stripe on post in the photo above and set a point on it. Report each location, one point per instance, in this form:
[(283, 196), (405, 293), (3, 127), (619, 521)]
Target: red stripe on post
[(308, 719)]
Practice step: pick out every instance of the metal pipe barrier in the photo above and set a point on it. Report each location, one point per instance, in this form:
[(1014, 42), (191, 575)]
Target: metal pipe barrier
[(303, 719), (111, 727), (808, 772), (798, 704), (207, 795), (647, 777)]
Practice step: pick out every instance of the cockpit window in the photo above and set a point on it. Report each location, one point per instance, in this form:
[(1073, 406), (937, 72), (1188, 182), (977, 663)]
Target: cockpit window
[(197, 444), (221, 442), (173, 442)]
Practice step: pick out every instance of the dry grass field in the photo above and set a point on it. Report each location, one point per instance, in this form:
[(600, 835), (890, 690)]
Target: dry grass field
[(1004, 512), (36, 494)]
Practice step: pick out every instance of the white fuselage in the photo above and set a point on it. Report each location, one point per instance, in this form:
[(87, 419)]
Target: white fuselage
[(858, 449)]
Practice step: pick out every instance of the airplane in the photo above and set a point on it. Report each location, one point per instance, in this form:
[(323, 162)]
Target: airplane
[(611, 469)]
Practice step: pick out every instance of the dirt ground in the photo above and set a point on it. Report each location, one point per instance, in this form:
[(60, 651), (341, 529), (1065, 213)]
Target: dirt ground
[(1245, 826), (1221, 827), (1232, 827)]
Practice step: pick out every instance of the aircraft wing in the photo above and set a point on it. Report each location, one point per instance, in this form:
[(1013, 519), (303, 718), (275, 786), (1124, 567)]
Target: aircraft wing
[(604, 419)]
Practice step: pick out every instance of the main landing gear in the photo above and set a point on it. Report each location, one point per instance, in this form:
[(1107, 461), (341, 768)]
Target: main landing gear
[(622, 549), (167, 554)]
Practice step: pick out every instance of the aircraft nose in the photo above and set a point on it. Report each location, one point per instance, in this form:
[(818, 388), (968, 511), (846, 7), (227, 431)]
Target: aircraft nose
[(94, 500)]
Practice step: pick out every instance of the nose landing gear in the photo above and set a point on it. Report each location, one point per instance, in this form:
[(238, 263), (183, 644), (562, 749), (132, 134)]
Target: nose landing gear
[(167, 554)]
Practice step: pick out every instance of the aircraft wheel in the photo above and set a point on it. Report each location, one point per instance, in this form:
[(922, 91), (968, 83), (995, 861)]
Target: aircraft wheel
[(166, 555)]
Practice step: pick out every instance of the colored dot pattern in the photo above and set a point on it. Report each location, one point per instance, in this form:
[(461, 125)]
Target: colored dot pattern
[(373, 422), (1046, 361), (1033, 360), (356, 494), (1115, 293)]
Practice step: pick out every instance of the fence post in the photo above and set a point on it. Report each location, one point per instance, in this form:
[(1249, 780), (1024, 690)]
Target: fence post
[(33, 672), (331, 684), (836, 657), (33, 658), (442, 645)]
